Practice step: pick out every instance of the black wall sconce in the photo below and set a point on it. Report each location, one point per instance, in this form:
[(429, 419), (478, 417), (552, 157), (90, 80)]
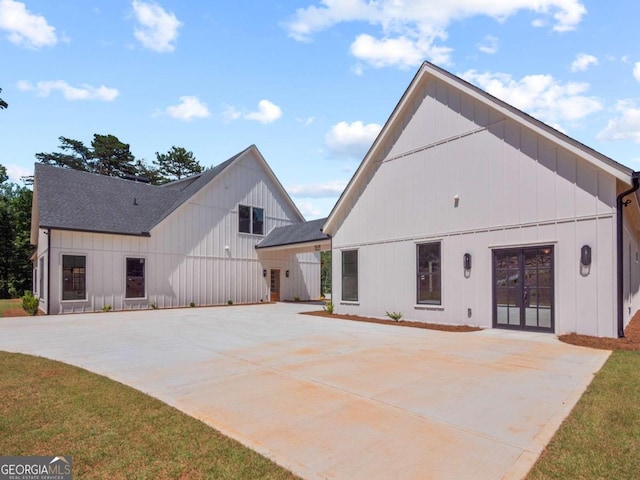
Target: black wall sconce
[(585, 255), (264, 273), (286, 274), (466, 261)]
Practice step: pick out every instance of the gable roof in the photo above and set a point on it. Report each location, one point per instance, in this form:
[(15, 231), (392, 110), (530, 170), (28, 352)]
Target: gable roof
[(427, 69), (306, 232), (73, 200)]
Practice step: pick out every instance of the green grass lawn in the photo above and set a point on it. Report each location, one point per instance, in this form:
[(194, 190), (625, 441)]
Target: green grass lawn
[(601, 437), (111, 430), (10, 304)]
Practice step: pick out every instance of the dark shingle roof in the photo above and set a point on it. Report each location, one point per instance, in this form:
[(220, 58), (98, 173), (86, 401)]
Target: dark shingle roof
[(73, 200), (305, 232)]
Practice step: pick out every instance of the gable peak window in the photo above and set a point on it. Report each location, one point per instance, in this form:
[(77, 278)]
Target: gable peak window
[(250, 220)]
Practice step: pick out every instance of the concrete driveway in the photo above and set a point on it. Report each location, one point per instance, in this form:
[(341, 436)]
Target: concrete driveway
[(332, 398)]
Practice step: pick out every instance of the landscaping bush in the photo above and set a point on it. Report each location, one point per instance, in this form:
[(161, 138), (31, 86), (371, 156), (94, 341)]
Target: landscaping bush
[(30, 303)]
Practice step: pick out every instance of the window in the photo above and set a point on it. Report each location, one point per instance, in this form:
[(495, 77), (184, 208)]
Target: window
[(74, 277), (429, 279), (40, 271), (135, 278), (350, 275), (250, 220)]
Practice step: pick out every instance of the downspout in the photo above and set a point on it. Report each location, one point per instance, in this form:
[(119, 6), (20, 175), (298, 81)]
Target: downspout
[(620, 204), (48, 271)]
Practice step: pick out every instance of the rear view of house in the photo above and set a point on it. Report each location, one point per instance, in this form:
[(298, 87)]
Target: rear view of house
[(468, 211), (111, 242)]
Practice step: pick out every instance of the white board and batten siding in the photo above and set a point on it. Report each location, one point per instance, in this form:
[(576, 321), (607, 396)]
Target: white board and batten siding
[(196, 254), (513, 186)]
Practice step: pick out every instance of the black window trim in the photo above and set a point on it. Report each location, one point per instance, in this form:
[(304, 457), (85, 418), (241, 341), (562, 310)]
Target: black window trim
[(144, 278), (251, 221), (357, 276), (425, 304), (86, 295)]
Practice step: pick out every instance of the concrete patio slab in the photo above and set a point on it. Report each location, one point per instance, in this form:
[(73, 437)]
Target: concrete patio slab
[(330, 398)]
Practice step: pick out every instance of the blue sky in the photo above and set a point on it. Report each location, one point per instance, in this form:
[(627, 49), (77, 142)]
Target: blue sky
[(309, 82)]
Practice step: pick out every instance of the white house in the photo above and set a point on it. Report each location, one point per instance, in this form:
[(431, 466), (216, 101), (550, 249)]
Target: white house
[(104, 241), (468, 211)]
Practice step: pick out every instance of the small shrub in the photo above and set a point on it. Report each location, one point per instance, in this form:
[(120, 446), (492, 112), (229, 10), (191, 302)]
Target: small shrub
[(30, 303), (229, 302), (153, 305), (192, 304), (296, 299), (394, 316), (106, 308), (328, 307)]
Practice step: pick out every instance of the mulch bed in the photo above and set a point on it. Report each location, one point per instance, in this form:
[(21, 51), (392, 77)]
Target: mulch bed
[(631, 341), (401, 323)]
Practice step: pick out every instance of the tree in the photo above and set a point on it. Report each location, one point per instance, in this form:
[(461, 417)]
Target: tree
[(111, 157), (15, 229), (106, 156), (325, 272), (177, 163), (3, 104), (74, 155)]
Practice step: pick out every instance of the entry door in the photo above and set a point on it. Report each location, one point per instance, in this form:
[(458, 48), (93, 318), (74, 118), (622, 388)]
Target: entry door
[(275, 286), (523, 289)]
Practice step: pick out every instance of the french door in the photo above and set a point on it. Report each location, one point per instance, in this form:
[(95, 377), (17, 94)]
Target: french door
[(523, 288)]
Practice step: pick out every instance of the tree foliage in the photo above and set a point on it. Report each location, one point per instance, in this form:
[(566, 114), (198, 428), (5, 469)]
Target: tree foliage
[(3, 104), (107, 155), (15, 246), (177, 163)]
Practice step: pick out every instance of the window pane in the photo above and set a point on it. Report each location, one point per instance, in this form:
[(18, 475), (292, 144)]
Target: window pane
[(73, 277), (135, 278), (258, 221), (350, 275), (244, 215), (429, 281)]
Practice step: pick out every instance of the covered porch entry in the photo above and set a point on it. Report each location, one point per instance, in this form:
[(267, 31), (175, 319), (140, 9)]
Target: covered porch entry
[(290, 258)]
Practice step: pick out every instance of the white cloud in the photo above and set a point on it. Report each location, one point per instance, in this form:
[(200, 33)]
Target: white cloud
[(69, 92), (542, 96), (489, 45), (268, 112), (309, 210), (318, 190), (25, 28), (16, 172), (231, 113), (626, 126), (188, 109), (157, 30), (582, 62), (306, 121), (402, 52), (351, 139), (412, 30), (636, 71)]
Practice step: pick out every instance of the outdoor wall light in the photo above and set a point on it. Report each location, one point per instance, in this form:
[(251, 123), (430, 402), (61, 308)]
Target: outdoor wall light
[(456, 201), (264, 273), (585, 255), (466, 261), (286, 273)]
